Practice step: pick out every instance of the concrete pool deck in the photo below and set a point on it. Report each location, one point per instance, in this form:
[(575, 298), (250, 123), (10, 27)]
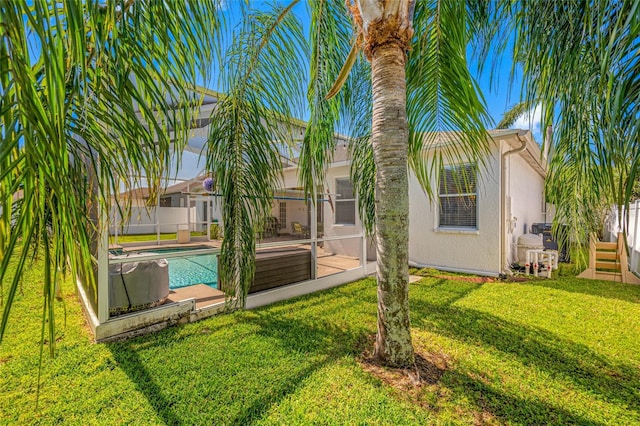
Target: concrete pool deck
[(203, 295)]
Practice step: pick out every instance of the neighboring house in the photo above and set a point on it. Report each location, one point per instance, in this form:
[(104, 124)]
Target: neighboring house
[(136, 197), (172, 196), (472, 226)]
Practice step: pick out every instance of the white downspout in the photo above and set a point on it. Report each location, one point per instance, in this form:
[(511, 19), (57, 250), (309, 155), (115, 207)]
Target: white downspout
[(503, 210), (545, 165)]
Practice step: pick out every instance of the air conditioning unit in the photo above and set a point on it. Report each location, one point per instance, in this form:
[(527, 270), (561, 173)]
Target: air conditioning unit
[(549, 241)]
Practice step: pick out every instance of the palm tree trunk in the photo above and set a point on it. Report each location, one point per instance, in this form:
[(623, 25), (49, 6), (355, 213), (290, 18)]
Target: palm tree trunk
[(390, 145)]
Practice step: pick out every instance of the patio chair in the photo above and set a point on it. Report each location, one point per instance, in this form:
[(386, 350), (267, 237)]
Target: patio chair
[(299, 231), (269, 228), (272, 226)]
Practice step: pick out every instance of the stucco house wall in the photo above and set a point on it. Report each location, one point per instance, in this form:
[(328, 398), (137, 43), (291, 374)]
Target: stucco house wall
[(524, 187), (297, 211), (510, 199), (472, 250)]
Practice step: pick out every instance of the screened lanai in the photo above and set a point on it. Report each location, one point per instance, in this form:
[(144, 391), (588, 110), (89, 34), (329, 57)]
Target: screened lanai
[(157, 264)]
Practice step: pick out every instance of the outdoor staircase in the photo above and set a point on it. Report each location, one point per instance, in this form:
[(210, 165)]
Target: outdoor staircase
[(608, 261)]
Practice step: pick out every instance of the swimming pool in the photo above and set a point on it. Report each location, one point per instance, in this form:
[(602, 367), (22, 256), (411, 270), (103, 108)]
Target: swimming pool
[(184, 269), (190, 270)]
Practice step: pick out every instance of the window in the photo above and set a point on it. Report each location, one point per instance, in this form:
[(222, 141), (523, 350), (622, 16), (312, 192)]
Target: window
[(458, 196), (345, 203)]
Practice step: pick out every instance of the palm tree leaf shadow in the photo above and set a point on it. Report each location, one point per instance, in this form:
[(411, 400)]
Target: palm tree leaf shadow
[(127, 358), (570, 361), (493, 403), (326, 335), (320, 340)]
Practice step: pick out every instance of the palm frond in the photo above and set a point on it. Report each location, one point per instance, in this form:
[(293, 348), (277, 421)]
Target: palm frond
[(88, 93), (330, 47), (356, 115), (512, 115), (442, 96), (344, 72), (363, 176), (250, 127), (580, 60)]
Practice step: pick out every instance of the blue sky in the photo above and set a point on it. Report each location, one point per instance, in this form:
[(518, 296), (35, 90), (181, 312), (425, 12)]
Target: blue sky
[(499, 91), (499, 96)]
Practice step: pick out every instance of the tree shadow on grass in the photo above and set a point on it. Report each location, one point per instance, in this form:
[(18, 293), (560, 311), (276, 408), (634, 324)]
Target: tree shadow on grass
[(129, 360), (313, 339), (256, 359), (214, 400), (279, 348), (492, 403), (570, 361), (317, 330), (330, 336)]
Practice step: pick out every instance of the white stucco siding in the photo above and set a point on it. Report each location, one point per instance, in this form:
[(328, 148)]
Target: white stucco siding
[(464, 250), (524, 187)]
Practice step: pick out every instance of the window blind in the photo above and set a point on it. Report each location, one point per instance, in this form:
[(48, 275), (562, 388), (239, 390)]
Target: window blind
[(458, 197)]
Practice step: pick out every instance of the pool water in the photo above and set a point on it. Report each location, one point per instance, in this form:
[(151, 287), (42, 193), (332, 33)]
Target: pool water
[(187, 270), (190, 270), (120, 251)]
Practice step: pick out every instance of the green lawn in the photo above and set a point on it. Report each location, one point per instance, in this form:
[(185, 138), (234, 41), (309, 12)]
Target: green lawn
[(542, 352)]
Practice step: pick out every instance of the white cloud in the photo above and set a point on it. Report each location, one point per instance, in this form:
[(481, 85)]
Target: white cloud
[(530, 120)]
